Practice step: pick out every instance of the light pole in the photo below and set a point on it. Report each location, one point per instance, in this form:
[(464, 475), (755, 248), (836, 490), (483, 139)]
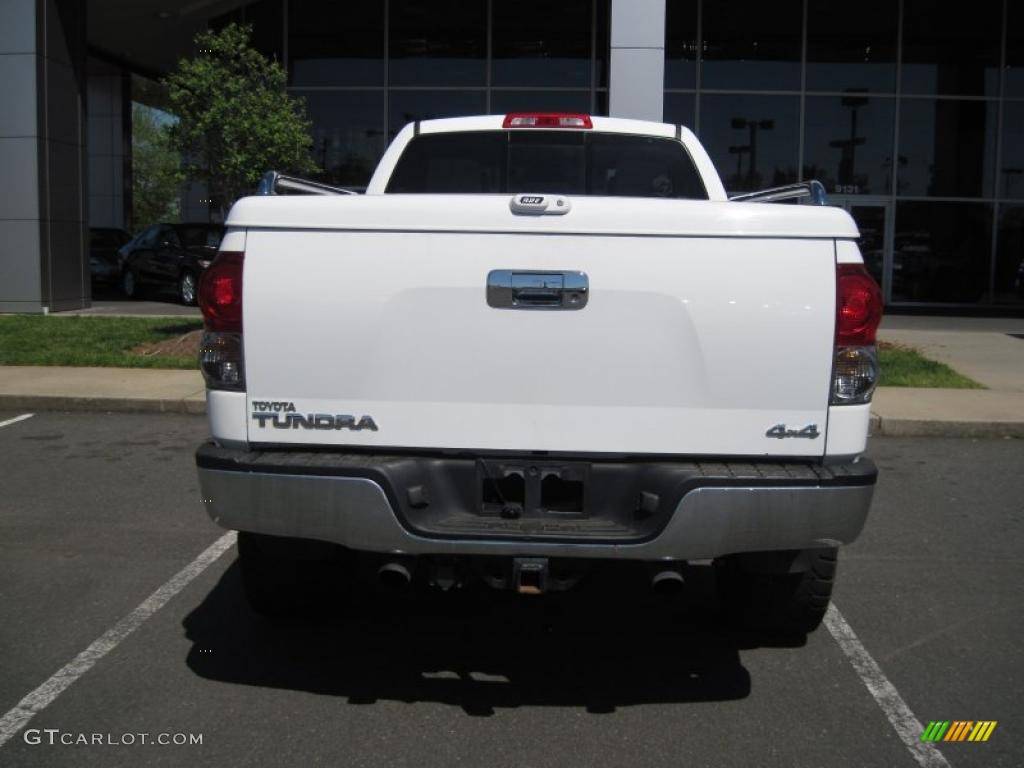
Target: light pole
[(739, 123)]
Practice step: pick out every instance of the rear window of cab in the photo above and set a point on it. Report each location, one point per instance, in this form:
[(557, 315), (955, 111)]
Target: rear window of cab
[(549, 161)]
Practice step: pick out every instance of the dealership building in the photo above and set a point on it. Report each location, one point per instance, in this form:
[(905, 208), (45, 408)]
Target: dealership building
[(910, 112)]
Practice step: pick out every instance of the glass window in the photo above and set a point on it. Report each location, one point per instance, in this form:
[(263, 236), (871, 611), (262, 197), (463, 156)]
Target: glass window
[(1009, 282), (169, 238), (503, 102), (1014, 72), (148, 238), (603, 41), (348, 133), (848, 143), (852, 45), (452, 163), (947, 147), (202, 235), (752, 45), (941, 252), (267, 19), (751, 139), (641, 166), (681, 44), (408, 106), (948, 49), (565, 162), (328, 45), (537, 42), (680, 109), (1011, 170), (437, 42), (547, 161)]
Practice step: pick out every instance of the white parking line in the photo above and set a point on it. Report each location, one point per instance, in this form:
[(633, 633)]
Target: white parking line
[(903, 721), (44, 695), (16, 419)]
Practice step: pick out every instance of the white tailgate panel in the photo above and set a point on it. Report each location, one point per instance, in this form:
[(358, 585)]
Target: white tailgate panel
[(687, 345)]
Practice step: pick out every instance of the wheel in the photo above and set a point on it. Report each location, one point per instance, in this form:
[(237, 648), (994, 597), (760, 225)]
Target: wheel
[(777, 592), (130, 285), (289, 578), (187, 284)]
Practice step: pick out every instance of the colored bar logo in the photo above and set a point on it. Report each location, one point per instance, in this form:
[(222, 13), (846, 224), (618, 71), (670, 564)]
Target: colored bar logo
[(958, 730)]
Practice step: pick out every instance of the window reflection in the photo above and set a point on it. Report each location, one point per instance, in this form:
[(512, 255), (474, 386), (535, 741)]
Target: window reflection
[(1014, 72), (437, 42), (503, 102), (680, 109), (751, 139), (852, 45), (752, 45), (348, 133), (1009, 276), (1011, 165), (681, 44), (328, 47), (537, 42), (947, 148), (948, 49), (409, 106), (941, 251), (848, 143)]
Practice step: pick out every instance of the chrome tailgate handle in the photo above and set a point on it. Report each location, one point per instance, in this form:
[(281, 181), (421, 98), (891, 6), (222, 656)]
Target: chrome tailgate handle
[(508, 289)]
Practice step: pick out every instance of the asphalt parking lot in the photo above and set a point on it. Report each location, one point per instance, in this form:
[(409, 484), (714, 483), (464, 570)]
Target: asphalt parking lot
[(99, 511)]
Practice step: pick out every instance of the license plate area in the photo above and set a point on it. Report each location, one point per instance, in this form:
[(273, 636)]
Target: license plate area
[(514, 489)]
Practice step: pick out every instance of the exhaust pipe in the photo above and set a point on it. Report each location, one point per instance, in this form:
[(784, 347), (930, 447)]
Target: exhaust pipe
[(667, 582), (394, 576)]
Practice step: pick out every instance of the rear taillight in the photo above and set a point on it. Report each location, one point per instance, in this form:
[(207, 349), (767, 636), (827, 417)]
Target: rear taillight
[(220, 299), (858, 313), (546, 120)]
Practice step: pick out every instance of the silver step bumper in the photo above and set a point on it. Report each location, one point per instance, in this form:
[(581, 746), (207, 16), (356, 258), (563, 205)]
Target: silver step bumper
[(707, 521)]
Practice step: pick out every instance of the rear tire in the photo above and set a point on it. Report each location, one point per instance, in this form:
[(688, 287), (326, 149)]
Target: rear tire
[(130, 285), (291, 578), (188, 288), (777, 601)]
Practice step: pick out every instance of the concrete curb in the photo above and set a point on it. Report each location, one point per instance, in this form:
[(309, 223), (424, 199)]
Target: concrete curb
[(888, 426), (893, 427), (102, 404)]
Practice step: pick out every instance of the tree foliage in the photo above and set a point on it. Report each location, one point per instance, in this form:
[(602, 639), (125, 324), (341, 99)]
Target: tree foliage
[(235, 119), (156, 169)]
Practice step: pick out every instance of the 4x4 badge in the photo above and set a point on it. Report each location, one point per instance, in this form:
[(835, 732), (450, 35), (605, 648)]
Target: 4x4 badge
[(780, 431)]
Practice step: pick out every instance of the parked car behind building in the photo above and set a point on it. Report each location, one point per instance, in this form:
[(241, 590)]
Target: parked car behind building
[(169, 256)]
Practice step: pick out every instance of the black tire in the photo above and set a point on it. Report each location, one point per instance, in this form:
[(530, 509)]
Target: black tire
[(188, 288), (130, 285), (292, 578), (777, 601)]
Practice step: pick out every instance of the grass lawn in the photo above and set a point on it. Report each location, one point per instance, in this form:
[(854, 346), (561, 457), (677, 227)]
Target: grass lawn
[(905, 367), (97, 341)]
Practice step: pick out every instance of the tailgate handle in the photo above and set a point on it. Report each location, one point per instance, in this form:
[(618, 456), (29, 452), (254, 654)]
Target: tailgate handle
[(508, 289)]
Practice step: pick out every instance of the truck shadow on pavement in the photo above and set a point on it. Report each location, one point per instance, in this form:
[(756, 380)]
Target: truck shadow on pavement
[(604, 645)]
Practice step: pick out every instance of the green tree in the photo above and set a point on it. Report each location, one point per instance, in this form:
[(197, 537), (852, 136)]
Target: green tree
[(235, 119), (156, 169)]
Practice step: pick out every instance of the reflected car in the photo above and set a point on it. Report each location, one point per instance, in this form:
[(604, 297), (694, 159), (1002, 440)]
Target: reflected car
[(104, 259), (169, 256)]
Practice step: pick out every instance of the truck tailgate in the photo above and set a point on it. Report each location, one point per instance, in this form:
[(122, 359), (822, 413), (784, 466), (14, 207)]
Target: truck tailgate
[(687, 344)]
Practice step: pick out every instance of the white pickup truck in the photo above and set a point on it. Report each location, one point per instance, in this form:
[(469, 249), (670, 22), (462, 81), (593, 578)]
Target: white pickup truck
[(537, 342)]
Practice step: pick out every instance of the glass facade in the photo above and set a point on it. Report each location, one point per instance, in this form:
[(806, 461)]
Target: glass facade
[(367, 69), (910, 112)]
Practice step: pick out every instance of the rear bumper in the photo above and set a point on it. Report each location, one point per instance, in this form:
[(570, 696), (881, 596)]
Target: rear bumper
[(363, 501)]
